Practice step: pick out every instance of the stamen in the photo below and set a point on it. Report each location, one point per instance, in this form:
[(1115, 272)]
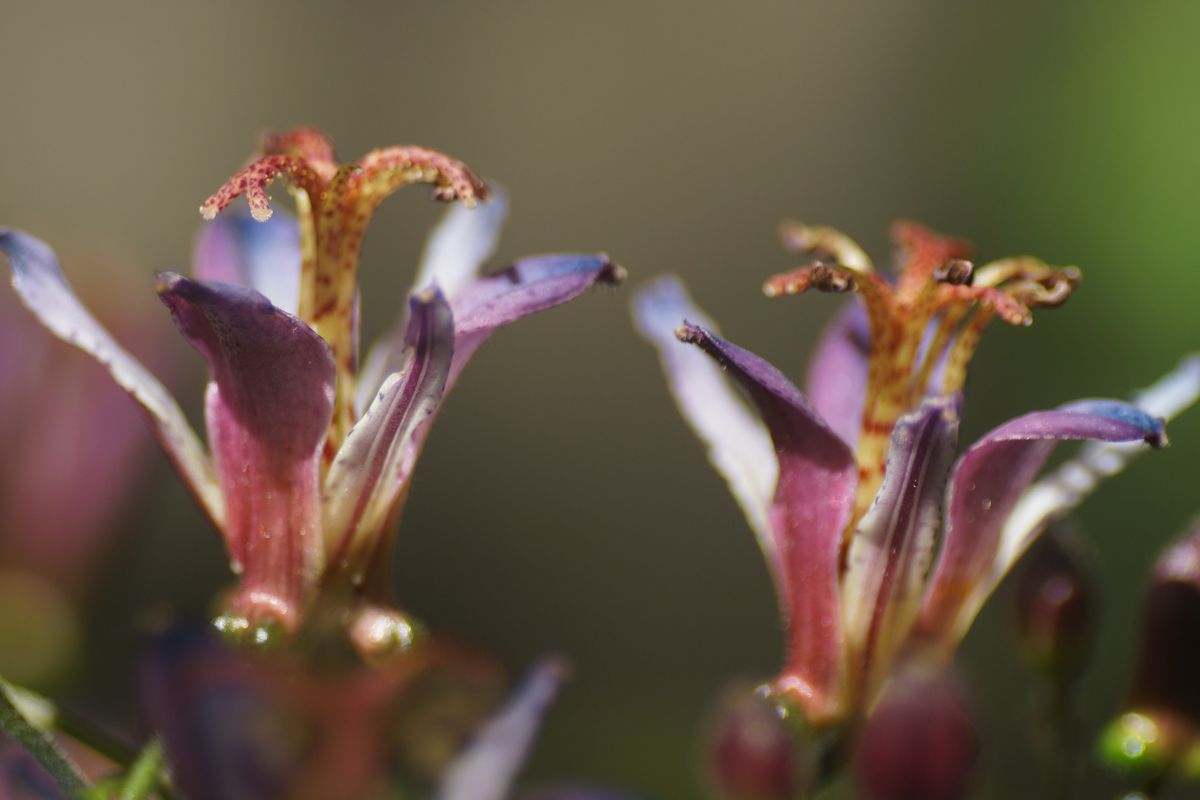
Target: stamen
[(963, 349), (951, 318), (922, 252), (824, 244), (956, 271), (1004, 304), (937, 286)]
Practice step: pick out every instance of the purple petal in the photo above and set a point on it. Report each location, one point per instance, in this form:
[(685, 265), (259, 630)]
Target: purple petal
[(486, 769), (264, 256), (812, 505), (44, 291), (987, 483), (376, 460), (268, 410), (460, 244), (892, 548), (532, 284), (454, 253), (837, 371), (738, 444)]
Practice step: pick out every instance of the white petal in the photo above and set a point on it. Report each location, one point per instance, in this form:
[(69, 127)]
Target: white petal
[(486, 769), (738, 443), (42, 288)]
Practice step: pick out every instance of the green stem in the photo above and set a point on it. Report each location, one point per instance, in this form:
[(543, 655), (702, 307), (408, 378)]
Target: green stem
[(144, 776), (1062, 732), (92, 735), (39, 743)]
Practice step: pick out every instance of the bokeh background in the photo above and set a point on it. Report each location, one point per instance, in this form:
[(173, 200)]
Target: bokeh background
[(562, 505)]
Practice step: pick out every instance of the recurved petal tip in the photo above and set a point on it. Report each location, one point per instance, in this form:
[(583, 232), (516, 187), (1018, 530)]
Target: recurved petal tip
[(611, 273), (691, 334)]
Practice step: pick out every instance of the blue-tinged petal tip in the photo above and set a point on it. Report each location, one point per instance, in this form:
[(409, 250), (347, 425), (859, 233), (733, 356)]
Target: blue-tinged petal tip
[(1153, 428)]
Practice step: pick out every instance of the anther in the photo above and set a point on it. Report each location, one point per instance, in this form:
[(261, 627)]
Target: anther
[(956, 271), (824, 278)]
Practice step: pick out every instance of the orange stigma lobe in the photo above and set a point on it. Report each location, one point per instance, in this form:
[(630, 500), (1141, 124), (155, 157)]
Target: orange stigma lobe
[(334, 204)]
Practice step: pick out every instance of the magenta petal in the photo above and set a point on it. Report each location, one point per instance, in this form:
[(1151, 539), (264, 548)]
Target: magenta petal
[(374, 464), (268, 410), (488, 766), (812, 505), (837, 371), (264, 256), (892, 547), (739, 445), (987, 483), (44, 291)]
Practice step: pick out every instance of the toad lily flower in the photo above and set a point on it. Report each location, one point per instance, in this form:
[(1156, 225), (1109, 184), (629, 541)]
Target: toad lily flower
[(311, 457), (844, 487)]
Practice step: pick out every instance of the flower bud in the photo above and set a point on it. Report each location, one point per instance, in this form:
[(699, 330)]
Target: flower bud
[(1158, 731), (751, 752), (918, 742), (1055, 607)]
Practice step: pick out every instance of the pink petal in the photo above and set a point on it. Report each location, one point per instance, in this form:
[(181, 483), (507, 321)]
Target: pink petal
[(813, 502), (268, 409)]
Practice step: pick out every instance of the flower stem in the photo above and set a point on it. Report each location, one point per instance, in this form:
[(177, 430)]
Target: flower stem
[(146, 773), (1062, 731), (38, 742)]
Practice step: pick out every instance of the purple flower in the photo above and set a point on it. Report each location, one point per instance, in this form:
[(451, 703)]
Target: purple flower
[(311, 455), (881, 546)]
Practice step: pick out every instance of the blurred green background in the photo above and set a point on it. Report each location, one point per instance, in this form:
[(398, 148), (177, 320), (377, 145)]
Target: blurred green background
[(561, 503)]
